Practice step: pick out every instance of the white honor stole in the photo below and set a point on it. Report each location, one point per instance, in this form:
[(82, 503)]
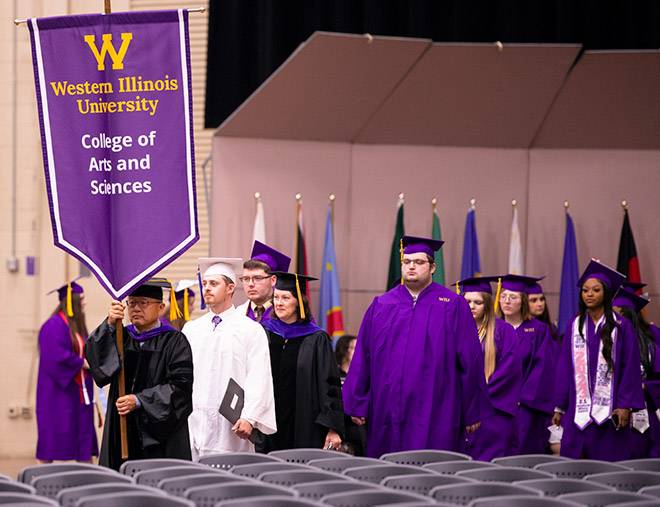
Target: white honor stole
[(640, 419), (598, 407)]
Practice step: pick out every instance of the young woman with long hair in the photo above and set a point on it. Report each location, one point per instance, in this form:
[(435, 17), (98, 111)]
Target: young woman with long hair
[(498, 434), (536, 351), (538, 308), (65, 389), (598, 379)]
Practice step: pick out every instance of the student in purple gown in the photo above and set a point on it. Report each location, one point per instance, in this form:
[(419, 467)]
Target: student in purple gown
[(498, 434), (645, 437), (65, 390), (538, 357), (417, 376), (258, 280), (538, 308), (306, 380), (598, 379), (158, 371)]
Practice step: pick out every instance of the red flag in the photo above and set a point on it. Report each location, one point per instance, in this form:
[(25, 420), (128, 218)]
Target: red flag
[(627, 261)]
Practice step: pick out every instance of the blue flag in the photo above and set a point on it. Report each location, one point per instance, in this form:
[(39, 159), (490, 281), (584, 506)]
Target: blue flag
[(330, 310), (568, 291), (470, 265)]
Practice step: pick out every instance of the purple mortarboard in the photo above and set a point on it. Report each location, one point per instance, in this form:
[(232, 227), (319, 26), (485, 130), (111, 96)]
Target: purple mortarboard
[(625, 298), (520, 283), (65, 291), (634, 286), (609, 276), (535, 288), (477, 284), (412, 244), (275, 260)]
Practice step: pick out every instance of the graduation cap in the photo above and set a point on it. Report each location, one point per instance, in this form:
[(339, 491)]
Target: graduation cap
[(414, 244), (626, 298), (183, 290), (477, 284), (66, 291), (609, 276), (153, 289), (634, 286), (521, 283), (274, 259), (295, 284), (221, 266)]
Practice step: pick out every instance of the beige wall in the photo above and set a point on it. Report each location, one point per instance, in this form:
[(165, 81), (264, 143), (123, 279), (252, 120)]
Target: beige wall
[(368, 178), (23, 303)]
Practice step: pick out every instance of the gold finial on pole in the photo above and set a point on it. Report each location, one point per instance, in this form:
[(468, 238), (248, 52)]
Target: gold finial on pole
[(298, 197), (434, 202), (624, 205), (514, 203), (473, 203), (566, 206), (257, 196), (401, 196), (332, 197)]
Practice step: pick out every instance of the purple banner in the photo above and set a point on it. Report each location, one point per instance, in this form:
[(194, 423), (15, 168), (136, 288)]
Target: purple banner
[(115, 109)]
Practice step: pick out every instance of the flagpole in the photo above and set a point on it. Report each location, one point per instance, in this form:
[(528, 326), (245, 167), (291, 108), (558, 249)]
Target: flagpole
[(295, 243)]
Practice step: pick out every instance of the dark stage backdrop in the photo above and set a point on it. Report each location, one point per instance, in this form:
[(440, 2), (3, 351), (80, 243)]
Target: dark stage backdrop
[(249, 39)]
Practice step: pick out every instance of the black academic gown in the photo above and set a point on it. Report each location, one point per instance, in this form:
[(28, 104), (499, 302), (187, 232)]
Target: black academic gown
[(160, 372), (304, 416)]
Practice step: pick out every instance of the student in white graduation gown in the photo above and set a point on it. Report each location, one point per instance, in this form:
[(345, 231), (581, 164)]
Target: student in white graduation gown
[(226, 344)]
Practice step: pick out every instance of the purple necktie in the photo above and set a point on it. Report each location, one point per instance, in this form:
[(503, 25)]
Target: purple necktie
[(216, 321)]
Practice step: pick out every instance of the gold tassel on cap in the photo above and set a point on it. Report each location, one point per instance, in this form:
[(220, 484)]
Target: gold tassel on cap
[(69, 300), (401, 257), (497, 293), (458, 290), (175, 313), (300, 301), (186, 307)]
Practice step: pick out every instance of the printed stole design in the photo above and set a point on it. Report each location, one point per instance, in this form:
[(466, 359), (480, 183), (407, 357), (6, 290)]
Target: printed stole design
[(598, 407)]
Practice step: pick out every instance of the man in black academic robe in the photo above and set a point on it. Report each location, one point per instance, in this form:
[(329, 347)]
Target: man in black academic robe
[(159, 378)]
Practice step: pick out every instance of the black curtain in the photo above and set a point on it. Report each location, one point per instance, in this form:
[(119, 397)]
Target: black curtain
[(249, 39)]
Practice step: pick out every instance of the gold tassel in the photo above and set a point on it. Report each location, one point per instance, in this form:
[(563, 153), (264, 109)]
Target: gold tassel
[(401, 257), (458, 290), (186, 307), (175, 313), (69, 301), (300, 301), (497, 293)]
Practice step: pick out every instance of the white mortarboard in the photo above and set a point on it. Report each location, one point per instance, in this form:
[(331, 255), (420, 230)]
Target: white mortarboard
[(185, 284), (219, 266)]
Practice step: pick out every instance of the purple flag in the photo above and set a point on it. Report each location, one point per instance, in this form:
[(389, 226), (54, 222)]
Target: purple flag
[(470, 263), (568, 292), (115, 110)]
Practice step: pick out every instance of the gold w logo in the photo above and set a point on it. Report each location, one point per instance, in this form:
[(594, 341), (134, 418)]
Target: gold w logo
[(107, 48)]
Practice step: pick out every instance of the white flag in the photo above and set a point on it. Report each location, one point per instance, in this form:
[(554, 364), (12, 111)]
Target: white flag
[(259, 230), (516, 264)]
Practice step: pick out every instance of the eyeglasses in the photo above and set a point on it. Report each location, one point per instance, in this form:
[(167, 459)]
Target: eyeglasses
[(140, 303), (253, 279), (416, 262), (510, 297)]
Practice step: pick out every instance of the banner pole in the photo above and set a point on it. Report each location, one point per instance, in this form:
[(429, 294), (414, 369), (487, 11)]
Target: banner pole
[(123, 430), (107, 7)]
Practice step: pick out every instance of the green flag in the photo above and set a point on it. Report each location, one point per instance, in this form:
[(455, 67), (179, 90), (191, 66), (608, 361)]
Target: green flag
[(436, 233), (394, 273)]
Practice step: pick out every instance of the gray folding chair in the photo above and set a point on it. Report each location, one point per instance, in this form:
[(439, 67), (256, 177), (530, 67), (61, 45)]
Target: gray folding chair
[(50, 485), (463, 494), (626, 481), (133, 500), (377, 473), (4, 477), (577, 469), (452, 467), (134, 466), (521, 501), (504, 474), (9, 498), (527, 460), (603, 498), (255, 470), (177, 486), (153, 476), (317, 490), (636, 503), (269, 501), (27, 474), (229, 460), (556, 487), (651, 491), (421, 483), (423, 457), (306, 455), (338, 465), (292, 477), (68, 497), (209, 496), (16, 487), (643, 465), (369, 498)]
